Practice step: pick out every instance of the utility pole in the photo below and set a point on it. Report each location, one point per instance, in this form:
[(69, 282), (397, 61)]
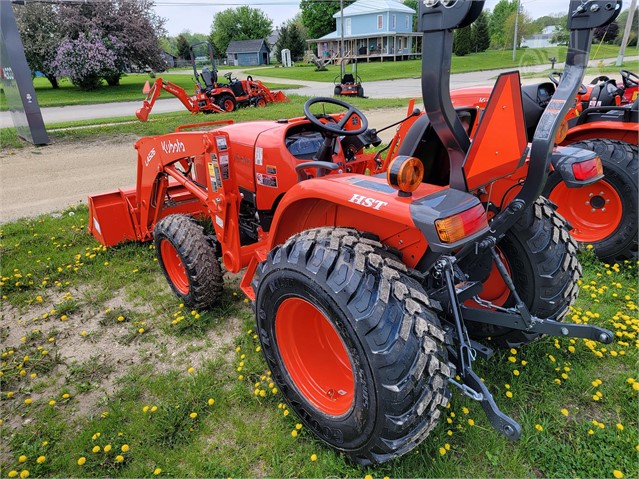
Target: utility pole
[(516, 31), (626, 33), (341, 10)]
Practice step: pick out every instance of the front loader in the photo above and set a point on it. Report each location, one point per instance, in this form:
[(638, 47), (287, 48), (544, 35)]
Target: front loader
[(373, 281)]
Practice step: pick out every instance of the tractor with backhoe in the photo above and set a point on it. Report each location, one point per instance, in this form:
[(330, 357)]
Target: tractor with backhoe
[(375, 281), (210, 95)]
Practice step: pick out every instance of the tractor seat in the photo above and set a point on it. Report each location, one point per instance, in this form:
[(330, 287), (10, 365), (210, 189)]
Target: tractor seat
[(209, 78), (604, 94), (348, 78)]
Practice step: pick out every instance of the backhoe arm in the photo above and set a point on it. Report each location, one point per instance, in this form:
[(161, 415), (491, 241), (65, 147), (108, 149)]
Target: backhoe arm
[(154, 94)]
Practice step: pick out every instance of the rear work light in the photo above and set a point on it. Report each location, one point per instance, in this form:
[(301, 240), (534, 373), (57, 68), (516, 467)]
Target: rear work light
[(461, 225), (587, 169)]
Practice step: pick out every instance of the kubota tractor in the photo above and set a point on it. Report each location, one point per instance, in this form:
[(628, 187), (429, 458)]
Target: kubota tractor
[(605, 121), (372, 280), (348, 84), (211, 96)]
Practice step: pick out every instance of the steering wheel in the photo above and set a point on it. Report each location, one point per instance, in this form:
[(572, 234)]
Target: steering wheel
[(335, 129), (555, 77), (602, 78), (629, 82)]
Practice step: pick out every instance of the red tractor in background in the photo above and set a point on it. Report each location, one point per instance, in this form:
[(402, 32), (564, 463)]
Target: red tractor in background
[(211, 96), (374, 280), (604, 119)]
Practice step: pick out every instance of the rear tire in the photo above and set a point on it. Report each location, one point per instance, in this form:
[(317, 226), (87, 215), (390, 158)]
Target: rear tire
[(608, 221), (374, 392), (226, 102), (188, 261), (360, 91), (337, 91), (542, 259)]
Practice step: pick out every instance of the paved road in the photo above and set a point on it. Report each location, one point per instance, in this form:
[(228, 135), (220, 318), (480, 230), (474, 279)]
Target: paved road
[(404, 88)]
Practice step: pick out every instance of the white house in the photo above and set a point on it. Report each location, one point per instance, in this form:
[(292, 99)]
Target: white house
[(540, 40), (372, 29)]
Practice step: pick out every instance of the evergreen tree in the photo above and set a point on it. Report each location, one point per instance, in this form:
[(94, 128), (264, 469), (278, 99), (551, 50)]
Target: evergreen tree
[(481, 34), (182, 45), (463, 42), (291, 37)]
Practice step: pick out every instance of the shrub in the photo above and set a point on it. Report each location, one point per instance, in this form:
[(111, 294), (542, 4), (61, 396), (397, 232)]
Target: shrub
[(85, 61)]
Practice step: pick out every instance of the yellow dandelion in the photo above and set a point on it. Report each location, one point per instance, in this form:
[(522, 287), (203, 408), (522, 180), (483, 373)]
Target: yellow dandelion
[(442, 451), (590, 432), (294, 433), (516, 372), (125, 448), (298, 426), (81, 461), (22, 458), (620, 426), (145, 409), (539, 427), (617, 473), (13, 474), (368, 476), (154, 408), (313, 457), (119, 458), (565, 412), (107, 448), (41, 459), (211, 401), (25, 473), (96, 449), (193, 415), (157, 471), (28, 401), (471, 422), (509, 394), (191, 370), (52, 402)]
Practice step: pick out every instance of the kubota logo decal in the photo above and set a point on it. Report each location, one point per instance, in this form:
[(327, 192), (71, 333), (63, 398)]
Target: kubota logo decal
[(367, 202), (170, 147)]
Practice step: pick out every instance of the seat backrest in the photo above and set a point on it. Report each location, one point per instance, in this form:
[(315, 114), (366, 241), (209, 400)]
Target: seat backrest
[(603, 94), (348, 78), (208, 77)]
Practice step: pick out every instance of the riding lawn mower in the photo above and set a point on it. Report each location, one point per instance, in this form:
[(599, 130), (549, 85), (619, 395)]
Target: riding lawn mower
[(376, 282)]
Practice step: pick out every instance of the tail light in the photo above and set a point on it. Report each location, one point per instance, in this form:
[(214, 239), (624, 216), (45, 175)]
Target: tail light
[(456, 227), (587, 169)]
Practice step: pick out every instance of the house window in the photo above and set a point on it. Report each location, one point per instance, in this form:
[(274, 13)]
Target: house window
[(393, 22), (380, 22), (347, 24), (407, 22)]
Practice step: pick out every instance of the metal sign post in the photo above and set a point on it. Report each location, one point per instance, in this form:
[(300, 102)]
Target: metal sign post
[(17, 82)]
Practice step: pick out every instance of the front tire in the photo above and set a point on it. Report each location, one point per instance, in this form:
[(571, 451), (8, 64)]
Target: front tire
[(541, 257), (188, 261), (226, 102), (337, 91), (352, 343), (605, 213)]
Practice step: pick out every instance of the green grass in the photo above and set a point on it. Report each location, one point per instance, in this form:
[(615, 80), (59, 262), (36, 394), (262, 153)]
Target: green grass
[(130, 89), (167, 122), (116, 303), (488, 60)]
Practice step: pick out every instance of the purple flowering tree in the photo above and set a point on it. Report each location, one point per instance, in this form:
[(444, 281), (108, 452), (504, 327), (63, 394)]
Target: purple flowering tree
[(85, 60)]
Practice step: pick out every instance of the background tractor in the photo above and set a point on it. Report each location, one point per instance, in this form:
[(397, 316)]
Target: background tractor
[(605, 119), (211, 96), (371, 279)]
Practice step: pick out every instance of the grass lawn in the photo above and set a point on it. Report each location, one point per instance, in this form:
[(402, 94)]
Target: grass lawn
[(167, 122), (488, 60), (105, 373), (130, 89)]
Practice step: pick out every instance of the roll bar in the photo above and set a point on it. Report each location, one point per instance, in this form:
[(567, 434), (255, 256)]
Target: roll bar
[(192, 55)]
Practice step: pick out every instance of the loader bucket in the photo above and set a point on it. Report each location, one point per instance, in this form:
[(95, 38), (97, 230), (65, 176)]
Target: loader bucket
[(280, 97), (110, 219)]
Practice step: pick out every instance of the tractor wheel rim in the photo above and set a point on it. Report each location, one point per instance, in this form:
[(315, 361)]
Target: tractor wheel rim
[(261, 103), (174, 267), (314, 356), (594, 211), (494, 289), (228, 105)]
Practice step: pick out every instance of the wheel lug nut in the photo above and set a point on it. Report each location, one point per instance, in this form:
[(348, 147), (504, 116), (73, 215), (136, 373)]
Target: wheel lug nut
[(591, 195), (603, 209)]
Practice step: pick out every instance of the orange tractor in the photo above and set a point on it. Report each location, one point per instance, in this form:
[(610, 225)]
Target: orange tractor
[(605, 119), (373, 280), (211, 96)]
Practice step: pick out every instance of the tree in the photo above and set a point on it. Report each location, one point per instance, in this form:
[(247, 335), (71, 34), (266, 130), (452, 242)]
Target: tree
[(524, 28), (414, 5), (242, 23), (462, 44), (132, 22), (561, 35), (500, 14), (607, 34), (291, 37), (41, 32), (481, 35), (317, 17), (182, 46)]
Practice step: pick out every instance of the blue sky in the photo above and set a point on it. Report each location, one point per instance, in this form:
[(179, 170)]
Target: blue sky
[(197, 15)]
